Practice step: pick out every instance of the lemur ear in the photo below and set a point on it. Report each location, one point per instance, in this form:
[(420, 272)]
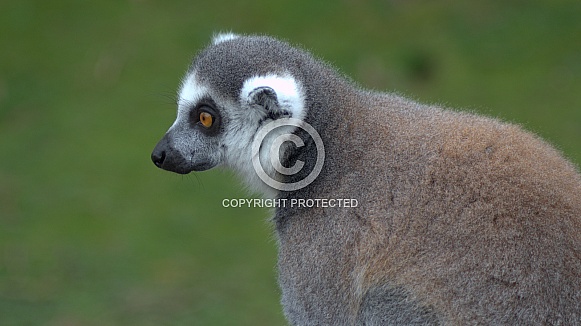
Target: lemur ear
[(264, 97), (277, 96), (222, 37)]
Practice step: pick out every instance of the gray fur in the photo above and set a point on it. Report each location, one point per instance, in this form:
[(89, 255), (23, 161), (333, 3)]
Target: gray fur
[(385, 306), (462, 219)]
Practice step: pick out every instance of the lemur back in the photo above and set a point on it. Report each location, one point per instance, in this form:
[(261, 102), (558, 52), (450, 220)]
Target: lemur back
[(462, 220)]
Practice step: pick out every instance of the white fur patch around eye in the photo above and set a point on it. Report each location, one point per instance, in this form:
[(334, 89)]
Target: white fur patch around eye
[(222, 37), (288, 92), (190, 92)]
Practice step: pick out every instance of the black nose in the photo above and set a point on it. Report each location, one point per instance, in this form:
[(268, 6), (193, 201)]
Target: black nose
[(160, 152), (158, 157), (164, 156)]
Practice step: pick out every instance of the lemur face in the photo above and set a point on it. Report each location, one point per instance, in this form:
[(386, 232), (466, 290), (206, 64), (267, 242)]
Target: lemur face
[(229, 92), (192, 143)]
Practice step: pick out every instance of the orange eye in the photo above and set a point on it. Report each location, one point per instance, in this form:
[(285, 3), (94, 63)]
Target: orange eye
[(206, 119)]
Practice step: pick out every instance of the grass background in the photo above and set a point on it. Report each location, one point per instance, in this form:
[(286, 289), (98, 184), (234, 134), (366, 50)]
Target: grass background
[(91, 233)]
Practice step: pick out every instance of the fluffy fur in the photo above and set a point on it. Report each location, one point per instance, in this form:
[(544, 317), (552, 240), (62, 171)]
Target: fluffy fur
[(462, 219), (222, 37)]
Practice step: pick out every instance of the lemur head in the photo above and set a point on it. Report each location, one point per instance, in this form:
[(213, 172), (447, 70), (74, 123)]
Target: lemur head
[(233, 87)]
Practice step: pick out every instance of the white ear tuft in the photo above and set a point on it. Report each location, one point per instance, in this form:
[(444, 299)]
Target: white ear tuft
[(222, 37), (288, 92)]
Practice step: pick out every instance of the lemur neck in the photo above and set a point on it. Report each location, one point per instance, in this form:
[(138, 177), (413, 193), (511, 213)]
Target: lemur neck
[(330, 115)]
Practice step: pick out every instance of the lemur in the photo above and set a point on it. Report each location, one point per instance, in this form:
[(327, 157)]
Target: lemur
[(461, 219)]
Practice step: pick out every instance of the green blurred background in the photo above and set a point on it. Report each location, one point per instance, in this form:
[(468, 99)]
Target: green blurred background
[(91, 233)]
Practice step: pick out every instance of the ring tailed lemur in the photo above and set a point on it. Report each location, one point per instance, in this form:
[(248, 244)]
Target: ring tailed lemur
[(461, 219)]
